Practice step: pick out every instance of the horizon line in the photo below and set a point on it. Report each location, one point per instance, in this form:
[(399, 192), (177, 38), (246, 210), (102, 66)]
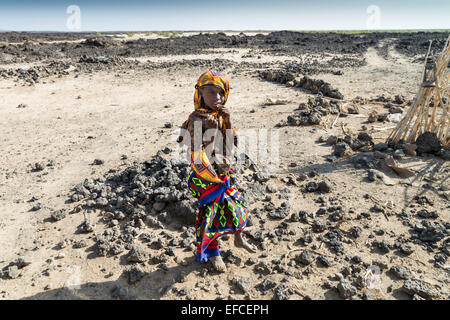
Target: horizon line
[(229, 30)]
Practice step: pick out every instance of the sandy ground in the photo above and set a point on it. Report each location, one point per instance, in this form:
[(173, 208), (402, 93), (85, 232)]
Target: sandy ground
[(104, 115)]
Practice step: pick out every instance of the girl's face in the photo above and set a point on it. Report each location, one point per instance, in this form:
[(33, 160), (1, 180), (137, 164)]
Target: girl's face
[(212, 96)]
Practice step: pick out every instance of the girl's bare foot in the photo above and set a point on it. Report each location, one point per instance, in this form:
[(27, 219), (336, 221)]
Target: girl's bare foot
[(218, 263), (241, 243)]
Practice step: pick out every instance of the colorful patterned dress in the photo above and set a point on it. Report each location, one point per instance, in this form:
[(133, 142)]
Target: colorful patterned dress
[(221, 211)]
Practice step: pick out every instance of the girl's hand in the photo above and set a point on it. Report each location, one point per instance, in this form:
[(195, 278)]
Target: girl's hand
[(211, 122), (225, 113)]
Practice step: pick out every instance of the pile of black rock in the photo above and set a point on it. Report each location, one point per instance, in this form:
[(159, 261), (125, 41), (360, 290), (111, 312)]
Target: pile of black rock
[(151, 194), (425, 145), (313, 85), (311, 113), (33, 74)]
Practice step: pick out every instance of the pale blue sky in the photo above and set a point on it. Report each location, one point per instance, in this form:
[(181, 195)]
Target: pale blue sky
[(135, 15)]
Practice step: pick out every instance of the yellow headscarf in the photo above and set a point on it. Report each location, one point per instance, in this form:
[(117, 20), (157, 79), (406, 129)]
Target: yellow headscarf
[(210, 78)]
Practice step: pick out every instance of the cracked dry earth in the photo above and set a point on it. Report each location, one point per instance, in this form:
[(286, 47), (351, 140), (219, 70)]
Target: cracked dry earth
[(321, 247)]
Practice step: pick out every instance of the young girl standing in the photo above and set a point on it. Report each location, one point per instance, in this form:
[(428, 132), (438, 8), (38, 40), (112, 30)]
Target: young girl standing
[(212, 177)]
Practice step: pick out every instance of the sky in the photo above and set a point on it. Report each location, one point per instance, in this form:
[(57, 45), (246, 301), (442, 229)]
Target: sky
[(203, 15)]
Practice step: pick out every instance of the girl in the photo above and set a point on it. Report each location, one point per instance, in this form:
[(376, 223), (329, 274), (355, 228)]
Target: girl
[(212, 179)]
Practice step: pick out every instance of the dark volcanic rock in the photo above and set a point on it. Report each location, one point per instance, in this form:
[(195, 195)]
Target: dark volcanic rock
[(282, 292), (424, 213), (12, 272), (325, 261), (401, 272), (263, 268), (244, 284), (312, 112), (306, 257), (342, 149), (406, 249), (266, 285), (280, 212), (431, 231), (319, 226), (412, 287), (428, 143), (311, 186), (325, 186), (135, 274), (346, 289), (138, 254), (58, 214)]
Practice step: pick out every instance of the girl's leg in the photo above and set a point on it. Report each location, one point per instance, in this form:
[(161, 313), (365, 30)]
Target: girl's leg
[(216, 260), (240, 242)]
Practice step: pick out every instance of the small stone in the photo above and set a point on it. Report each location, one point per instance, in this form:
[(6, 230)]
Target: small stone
[(266, 285), (80, 244), (263, 268), (98, 162), (306, 257), (401, 272), (412, 287), (281, 212), (311, 186), (319, 226), (346, 290), (138, 254), (116, 249), (244, 284), (356, 231), (332, 140), (325, 261), (406, 249), (86, 227), (13, 272), (373, 117), (383, 246), (428, 143), (282, 292), (440, 257), (64, 243), (325, 186), (382, 117), (38, 166), (23, 261), (58, 215), (135, 274), (101, 202), (353, 110), (342, 149), (424, 213), (380, 264), (37, 206)]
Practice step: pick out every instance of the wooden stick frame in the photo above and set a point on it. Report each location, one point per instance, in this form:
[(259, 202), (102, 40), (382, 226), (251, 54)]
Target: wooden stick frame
[(423, 116)]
